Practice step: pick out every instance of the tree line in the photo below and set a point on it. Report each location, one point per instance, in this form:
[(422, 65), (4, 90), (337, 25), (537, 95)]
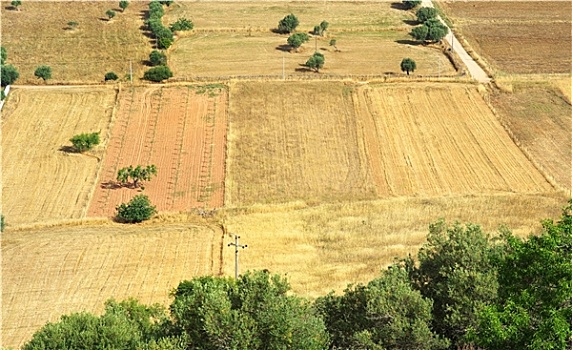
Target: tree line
[(464, 289)]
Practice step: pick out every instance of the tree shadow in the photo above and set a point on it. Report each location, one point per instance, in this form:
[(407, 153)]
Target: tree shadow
[(68, 149), (304, 69), (111, 185), (411, 22), (144, 14), (284, 48), (276, 31), (409, 42), (398, 6)]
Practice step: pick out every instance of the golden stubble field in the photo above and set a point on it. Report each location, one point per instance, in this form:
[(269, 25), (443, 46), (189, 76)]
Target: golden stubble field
[(323, 142), (50, 271), (40, 180)]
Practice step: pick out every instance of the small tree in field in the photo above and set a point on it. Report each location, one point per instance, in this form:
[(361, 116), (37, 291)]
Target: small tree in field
[(432, 30), (9, 75), (288, 24), (44, 72), (136, 210), (111, 76), (296, 40), (158, 74), (137, 174), (73, 25), (157, 58), (407, 65), (85, 142), (182, 24), (425, 13), (323, 27), (16, 4), (123, 4), (333, 43), (316, 62), (409, 4), (110, 14)]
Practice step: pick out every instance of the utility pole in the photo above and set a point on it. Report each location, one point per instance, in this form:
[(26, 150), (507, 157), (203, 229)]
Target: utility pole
[(131, 72), (283, 72), (236, 246)]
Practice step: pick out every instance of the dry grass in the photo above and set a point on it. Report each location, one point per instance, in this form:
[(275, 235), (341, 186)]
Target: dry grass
[(39, 34), (48, 272), (40, 181), (325, 247), (539, 118), (517, 37), (319, 142)]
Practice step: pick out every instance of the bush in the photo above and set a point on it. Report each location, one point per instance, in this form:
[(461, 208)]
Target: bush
[(111, 76), (3, 54), (44, 72), (137, 210), (157, 58), (296, 40), (408, 65), (9, 75), (158, 74), (123, 4), (288, 24), (316, 61), (409, 4), (85, 142), (182, 24), (110, 14), (425, 13)]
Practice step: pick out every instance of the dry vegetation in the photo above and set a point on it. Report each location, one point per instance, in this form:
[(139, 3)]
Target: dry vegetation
[(338, 142), (47, 272), (39, 35), (41, 181), (517, 36)]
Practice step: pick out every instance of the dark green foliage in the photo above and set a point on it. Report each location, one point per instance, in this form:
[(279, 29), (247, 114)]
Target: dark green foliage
[(407, 65), (324, 26), (16, 4), (166, 2), (316, 62), (386, 314), (73, 24), (297, 39), (85, 142), (2, 223), (254, 312), (123, 5), (44, 72), (425, 13), (137, 210), (3, 54), (409, 4), (124, 325), (317, 30), (110, 14), (288, 24), (158, 74), (2, 95), (9, 74), (157, 58), (431, 30), (111, 76), (457, 271), (182, 24), (534, 310), (420, 33), (155, 10), (137, 174)]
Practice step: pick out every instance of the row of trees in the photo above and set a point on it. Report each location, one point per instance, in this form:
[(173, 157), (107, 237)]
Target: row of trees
[(464, 289)]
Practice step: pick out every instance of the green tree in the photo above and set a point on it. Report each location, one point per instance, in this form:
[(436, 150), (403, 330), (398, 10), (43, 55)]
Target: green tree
[(111, 76), (84, 142), (3, 55), (333, 43), (158, 74), (534, 310), (457, 270), (420, 33), (16, 4), (124, 325), (388, 313), (431, 30), (288, 24), (316, 62), (110, 14), (317, 30), (323, 27), (182, 24), (155, 10), (425, 13), (123, 5), (44, 72), (9, 75), (410, 4), (137, 174), (253, 312), (297, 39), (136, 210), (407, 65), (157, 58), (73, 25)]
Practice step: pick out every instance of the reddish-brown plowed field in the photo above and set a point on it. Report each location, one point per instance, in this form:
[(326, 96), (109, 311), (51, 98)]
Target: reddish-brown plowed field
[(180, 130)]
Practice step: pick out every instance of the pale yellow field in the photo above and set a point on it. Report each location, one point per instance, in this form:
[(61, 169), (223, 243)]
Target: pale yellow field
[(47, 272), (319, 142), (40, 181)]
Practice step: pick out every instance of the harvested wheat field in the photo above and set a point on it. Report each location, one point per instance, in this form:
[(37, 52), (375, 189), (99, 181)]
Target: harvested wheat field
[(39, 34), (325, 247), (83, 266), (517, 36), (358, 53), (182, 131), (41, 179), (332, 141), (540, 120)]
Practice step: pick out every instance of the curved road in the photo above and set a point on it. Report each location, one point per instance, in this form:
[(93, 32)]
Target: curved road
[(474, 69)]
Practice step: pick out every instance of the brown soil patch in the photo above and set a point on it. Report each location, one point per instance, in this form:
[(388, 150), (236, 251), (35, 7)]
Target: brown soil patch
[(330, 142), (49, 272), (181, 130), (41, 181), (517, 37)]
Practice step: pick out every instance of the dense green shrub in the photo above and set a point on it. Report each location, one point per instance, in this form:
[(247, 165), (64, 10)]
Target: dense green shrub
[(84, 142), (111, 76), (158, 74), (288, 24), (44, 72), (136, 210), (182, 24), (9, 74), (157, 58)]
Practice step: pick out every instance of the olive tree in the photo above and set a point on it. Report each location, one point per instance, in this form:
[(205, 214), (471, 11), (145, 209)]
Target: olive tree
[(158, 74), (316, 62), (123, 5), (137, 174), (432, 30), (407, 65), (425, 13), (44, 72), (9, 74), (110, 14), (410, 4), (136, 210), (157, 58), (85, 142), (16, 4), (288, 24), (297, 39)]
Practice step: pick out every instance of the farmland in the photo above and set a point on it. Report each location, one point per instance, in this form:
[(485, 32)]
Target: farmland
[(41, 180), (181, 130), (517, 37)]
